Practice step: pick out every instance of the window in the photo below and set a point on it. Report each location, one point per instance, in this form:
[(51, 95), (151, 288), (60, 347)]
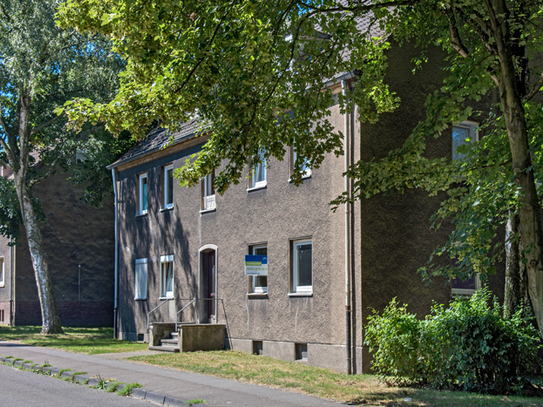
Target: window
[(142, 194), (168, 186), (258, 284), (462, 134), (141, 280), (305, 168), (2, 275), (302, 278), (166, 276), (465, 287), (208, 192), (258, 174)]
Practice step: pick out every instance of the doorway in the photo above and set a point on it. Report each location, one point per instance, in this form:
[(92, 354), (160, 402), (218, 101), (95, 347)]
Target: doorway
[(208, 276)]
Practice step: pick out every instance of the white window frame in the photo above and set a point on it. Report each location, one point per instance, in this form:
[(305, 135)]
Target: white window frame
[(168, 182), (296, 288), (2, 273), (140, 293), (253, 288), (143, 201), (208, 193), (260, 168), (473, 135), (306, 172), (164, 262)]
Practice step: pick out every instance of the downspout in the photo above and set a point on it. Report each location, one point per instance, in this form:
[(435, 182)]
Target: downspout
[(116, 266), (12, 286), (347, 152)]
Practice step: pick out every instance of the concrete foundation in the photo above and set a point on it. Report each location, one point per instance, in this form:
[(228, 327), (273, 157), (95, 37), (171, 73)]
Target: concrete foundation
[(202, 337)]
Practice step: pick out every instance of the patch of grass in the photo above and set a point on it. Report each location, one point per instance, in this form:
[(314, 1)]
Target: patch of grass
[(112, 388), (359, 389), (91, 341), (195, 401), (59, 374), (127, 390)]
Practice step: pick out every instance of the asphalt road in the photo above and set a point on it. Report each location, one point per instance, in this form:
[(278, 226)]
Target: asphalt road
[(20, 388)]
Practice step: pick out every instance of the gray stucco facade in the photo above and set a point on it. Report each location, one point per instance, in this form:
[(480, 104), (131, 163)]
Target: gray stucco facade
[(390, 239)]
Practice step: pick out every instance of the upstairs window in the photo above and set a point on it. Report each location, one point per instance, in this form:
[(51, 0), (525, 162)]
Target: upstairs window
[(208, 192), (258, 284), (142, 194), (462, 134), (305, 169), (258, 173), (166, 276), (167, 175)]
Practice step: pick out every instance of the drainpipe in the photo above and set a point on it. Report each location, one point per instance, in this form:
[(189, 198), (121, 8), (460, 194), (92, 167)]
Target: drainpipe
[(116, 266), (348, 324), (12, 286)]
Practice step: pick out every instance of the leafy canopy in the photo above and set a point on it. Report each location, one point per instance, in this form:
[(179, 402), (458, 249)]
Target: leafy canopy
[(256, 73)]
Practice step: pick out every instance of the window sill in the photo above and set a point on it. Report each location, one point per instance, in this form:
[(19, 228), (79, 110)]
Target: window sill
[(166, 298), (2, 285), (208, 210), (301, 294), (304, 177), (141, 215), (140, 299), (167, 208), (257, 187), (257, 295)]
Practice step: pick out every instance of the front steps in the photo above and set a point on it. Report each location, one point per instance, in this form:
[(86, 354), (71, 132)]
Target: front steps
[(170, 344), (190, 337)]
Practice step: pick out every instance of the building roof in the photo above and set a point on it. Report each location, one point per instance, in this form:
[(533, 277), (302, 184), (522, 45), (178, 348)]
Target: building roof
[(159, 138)]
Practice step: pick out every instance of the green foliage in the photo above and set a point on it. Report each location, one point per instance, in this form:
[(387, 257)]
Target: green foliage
[(467, 346), (127, 389)]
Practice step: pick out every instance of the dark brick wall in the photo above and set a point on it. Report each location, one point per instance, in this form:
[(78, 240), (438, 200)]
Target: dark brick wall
[(71, 313)]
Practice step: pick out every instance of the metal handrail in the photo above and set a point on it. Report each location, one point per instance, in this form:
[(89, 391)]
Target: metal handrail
[(178, 312), (154, 309)]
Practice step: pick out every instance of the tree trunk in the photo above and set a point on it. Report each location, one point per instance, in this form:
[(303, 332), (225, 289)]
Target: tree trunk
[(49, 311), (515, 286)]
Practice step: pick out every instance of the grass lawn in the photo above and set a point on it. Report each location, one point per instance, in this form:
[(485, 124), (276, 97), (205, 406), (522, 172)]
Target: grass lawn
[(363, 390), (91, 341), (355, 390)]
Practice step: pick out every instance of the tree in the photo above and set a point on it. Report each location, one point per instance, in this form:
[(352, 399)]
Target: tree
[(41, 67), (255, 70)]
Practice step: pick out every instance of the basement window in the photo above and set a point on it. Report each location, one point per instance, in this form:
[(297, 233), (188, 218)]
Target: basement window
[(301, 351)]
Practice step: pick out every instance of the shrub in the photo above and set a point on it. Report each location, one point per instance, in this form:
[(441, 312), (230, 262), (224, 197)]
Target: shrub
[(468, 346)]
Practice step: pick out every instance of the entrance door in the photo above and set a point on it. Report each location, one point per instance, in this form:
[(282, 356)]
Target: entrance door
[(208, 287)]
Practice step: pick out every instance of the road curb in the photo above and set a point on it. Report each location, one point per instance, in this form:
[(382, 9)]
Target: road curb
[(139, 392)]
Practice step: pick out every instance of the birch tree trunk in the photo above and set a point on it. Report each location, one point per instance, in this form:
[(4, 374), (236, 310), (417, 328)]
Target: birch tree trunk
[(515, 280), (49, 311)]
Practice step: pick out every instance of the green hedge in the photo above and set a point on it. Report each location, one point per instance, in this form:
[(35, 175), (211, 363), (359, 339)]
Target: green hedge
[(468, 346)]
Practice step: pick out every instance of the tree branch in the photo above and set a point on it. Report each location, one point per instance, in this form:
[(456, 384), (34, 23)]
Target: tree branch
[(536, 89), (44, 125)]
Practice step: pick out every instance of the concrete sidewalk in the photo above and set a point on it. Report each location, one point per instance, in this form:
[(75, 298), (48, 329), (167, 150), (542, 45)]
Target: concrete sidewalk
[(178, 385)]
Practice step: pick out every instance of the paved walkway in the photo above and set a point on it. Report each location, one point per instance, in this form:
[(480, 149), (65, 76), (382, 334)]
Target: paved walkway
[(178, 385)]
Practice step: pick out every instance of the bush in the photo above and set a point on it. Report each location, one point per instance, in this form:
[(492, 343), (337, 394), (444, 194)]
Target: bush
[(467, 346)]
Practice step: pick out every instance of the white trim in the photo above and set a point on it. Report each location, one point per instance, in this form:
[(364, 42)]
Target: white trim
[(466, 292)]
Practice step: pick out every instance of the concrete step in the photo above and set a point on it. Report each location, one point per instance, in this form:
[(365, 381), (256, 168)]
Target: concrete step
[(174, 335), (169, 341), (164, 348)]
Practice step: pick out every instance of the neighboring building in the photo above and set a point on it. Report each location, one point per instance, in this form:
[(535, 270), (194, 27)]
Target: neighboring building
[(176, 245), (79, 242)]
